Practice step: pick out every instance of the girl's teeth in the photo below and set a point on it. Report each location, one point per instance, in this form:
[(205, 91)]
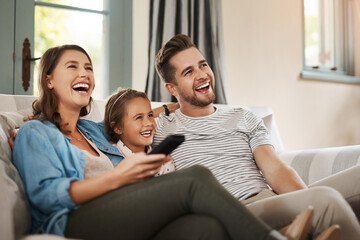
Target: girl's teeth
[(146, 134)]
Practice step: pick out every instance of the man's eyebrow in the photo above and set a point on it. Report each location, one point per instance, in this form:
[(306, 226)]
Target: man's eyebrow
[(183, 71), (202, 61), (188, 68)]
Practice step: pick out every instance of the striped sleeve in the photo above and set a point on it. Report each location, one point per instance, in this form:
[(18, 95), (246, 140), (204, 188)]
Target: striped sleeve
[(258, 133)]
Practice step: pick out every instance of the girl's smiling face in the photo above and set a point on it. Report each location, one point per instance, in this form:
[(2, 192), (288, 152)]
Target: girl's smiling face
[(138, 125)]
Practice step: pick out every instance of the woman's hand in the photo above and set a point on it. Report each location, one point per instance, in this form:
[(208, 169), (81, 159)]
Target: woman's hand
[(132, 169), (139, 166)]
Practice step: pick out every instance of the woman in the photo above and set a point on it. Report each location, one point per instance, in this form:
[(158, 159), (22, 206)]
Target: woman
[(76, 190)]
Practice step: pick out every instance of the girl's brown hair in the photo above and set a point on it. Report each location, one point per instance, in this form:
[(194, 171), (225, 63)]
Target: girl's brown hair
[(46, 106), (115, 110)]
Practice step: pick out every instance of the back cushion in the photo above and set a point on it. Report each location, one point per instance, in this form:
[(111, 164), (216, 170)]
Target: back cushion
[(15, 204)]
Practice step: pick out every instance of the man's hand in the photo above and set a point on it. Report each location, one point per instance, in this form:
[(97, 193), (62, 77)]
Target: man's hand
[(13, 133), (12, 137)]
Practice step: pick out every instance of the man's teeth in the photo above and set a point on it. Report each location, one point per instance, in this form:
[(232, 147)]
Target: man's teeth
[(203, 86), (146, 133)]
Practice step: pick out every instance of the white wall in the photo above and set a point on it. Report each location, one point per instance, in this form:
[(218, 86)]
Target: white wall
[(263, 54), (263, 50), (140, 43), (357, 35)]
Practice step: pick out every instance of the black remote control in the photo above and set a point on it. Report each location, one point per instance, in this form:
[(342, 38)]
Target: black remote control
[(169, 144)]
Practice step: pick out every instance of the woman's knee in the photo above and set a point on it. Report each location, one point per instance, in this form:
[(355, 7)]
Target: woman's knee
[(197, 171)]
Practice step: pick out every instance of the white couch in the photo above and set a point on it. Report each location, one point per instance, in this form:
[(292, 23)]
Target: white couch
[(311, 165)]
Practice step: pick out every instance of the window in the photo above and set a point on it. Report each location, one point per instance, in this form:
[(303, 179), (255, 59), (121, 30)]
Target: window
[(114, 20), (329, 40), (59, 22)]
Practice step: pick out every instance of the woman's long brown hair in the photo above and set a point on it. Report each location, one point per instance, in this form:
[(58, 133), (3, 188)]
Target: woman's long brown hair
[(46, 106)]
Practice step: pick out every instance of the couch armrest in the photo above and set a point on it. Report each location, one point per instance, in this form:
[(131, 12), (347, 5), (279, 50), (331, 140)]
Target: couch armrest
[(315, 164)]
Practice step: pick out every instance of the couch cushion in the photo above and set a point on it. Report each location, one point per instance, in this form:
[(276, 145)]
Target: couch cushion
[(316, 164), (6, 217), (16, 207), (97, 111), (15, 102)]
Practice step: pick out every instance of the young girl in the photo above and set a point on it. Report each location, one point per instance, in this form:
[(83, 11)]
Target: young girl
[(129, 121)]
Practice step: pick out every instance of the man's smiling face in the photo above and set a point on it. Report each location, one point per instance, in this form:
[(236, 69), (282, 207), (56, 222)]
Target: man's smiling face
[(194, 78)]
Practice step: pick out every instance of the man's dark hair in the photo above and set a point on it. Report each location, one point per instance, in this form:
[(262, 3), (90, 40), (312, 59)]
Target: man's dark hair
[(175, 45)]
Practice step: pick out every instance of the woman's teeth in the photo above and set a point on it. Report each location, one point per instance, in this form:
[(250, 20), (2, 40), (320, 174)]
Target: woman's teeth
[(81, 87)]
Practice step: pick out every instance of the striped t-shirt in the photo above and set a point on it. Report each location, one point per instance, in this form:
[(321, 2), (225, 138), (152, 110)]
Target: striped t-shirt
[(223, 142)]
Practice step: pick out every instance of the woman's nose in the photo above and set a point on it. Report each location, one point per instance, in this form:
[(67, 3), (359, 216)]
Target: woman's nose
[(83, 72)]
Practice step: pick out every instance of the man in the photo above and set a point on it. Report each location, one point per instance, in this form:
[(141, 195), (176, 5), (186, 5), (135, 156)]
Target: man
[(234, 144)]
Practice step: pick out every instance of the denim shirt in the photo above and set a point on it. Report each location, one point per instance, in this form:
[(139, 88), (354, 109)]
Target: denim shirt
[(96, 133), (48, 163)]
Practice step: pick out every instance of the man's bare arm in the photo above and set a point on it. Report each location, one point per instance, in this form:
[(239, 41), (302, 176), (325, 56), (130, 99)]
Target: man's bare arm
[(171, 106), (281, 177)]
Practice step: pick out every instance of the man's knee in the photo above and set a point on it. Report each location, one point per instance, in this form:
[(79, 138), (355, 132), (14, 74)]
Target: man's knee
[(193, 227), (323, 192), (326, 197)]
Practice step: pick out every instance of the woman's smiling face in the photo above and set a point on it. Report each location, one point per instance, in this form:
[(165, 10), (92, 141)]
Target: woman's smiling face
[(72, 80)]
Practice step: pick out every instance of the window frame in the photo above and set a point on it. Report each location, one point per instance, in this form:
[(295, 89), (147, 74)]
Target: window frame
[(347, 74)]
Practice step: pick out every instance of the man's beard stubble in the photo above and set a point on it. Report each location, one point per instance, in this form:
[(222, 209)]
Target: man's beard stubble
[(193, 100)]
